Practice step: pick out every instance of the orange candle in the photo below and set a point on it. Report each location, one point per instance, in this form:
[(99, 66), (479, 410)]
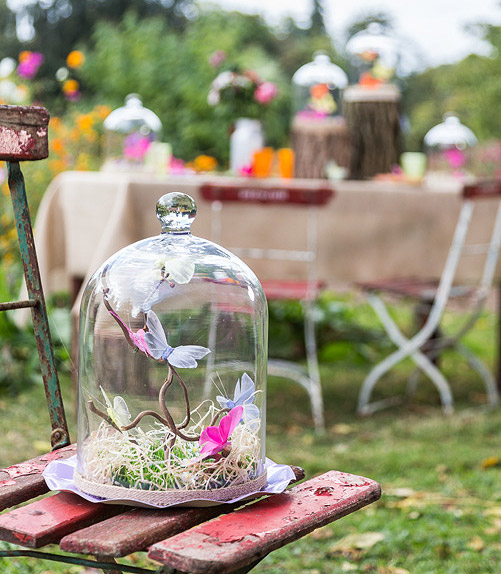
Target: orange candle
[(262, 162), (286, 162)]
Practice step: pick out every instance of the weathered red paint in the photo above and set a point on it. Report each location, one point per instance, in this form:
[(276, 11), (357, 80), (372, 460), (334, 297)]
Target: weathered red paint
[(23, 133), (482, 189), (238, 539), (256, 191), (23, 481), (136, 529), (47, 520)]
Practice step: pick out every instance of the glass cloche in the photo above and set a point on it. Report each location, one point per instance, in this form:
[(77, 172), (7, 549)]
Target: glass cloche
[(373, 56), (129, 133), (317, 88), (172, 370), (449, 147)]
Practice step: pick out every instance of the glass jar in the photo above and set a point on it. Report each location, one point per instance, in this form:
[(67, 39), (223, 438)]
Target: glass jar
[(449, 146), (318, 87), (373, 56), (172, 370), (129, 133)]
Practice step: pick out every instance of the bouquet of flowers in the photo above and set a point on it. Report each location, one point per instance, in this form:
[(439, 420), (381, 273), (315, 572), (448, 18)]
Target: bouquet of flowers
[(242, 93)]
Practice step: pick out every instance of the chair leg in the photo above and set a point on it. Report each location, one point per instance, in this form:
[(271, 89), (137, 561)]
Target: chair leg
[(315, 391), (483, 371)]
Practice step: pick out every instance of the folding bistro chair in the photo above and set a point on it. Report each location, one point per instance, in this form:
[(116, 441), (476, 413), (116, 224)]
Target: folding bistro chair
[(307, 198), (432, 298)]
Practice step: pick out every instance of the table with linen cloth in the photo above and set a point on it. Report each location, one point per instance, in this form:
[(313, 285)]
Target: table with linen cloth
[(369, 231)]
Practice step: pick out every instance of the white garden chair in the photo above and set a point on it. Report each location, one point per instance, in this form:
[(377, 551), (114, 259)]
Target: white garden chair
[(427, 344), (307, 197)]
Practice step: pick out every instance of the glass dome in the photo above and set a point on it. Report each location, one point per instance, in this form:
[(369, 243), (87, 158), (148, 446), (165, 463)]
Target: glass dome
[(373, 55), (172, 370), (449, 146), (318, 86), (129, 133)]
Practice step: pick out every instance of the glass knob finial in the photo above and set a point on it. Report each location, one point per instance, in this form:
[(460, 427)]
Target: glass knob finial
[(176, 212)]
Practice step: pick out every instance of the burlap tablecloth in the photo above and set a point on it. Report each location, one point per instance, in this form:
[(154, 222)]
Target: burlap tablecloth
[(369, 231)]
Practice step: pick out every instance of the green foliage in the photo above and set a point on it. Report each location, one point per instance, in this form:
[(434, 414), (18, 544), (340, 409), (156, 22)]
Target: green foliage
[(126, 58), (343, 335), (470, 88)]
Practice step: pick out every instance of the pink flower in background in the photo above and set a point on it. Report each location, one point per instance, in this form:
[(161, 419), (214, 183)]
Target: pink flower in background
[(455, 158), (265, 92), (73, 96), (217, 58), (136, 146), (29, 64)]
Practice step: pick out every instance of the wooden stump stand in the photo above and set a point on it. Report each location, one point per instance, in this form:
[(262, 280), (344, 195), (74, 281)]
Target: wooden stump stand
[(316, 143), (373, 119)]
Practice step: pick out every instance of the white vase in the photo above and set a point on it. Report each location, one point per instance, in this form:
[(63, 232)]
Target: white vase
[(246, 139)]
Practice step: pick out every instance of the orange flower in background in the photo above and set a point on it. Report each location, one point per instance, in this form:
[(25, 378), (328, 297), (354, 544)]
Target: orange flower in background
[(24, 55), (75, 59), (204, 163), (55, 123), (319, 91), (85, 122), (102, 112), (57, 145), (70, 86)]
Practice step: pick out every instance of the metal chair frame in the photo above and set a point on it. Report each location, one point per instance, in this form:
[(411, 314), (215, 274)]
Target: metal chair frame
[(414, 347), (309, 377)]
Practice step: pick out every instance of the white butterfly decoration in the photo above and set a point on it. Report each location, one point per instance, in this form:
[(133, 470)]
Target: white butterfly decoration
[(144, 281), (184, 356), (118, 411)]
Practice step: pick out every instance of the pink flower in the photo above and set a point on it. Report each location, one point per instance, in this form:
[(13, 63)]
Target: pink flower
[(136, 146), (455, 158), (217, 58), (28, 67), (215, 439), (265, 93), (73, 96)]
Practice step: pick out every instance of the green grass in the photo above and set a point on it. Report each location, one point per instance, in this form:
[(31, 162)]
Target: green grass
[(441, 506)]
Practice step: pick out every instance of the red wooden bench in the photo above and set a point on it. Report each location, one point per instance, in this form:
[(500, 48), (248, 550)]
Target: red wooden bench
[(220, 539)]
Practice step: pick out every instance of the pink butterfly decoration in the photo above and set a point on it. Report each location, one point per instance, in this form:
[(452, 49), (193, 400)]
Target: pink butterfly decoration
[(215, 439)]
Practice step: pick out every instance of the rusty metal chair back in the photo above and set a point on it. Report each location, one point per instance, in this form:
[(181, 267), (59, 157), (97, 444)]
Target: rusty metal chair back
[(24, 137)]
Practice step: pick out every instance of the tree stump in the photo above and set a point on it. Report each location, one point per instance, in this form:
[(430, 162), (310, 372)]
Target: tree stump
[(317, 142), (373, 119)]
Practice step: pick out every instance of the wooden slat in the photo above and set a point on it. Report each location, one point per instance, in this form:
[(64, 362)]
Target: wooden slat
[(23, 481), (136, 529), (483, 189), (47, 520), (236, 540)]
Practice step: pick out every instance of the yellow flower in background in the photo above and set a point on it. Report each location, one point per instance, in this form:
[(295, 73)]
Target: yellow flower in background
[(75, 59), (204, 163), (8, 259), (55, 123), (85, 122), (70, 86)]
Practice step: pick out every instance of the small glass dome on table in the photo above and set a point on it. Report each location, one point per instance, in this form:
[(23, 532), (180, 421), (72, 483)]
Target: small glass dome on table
[(449, 146), (129, 133), (374, 56), (318, 88), (172, 371)]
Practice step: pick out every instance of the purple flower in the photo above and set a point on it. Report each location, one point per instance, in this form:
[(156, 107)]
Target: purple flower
[(215, 439)]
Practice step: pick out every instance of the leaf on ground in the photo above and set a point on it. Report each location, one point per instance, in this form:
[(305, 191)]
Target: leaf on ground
[(342, 428), (400, 492), (476, 543), (493, 511), (392, 570), (348, 567), (357, 541), (489, 462), (322, 533)]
